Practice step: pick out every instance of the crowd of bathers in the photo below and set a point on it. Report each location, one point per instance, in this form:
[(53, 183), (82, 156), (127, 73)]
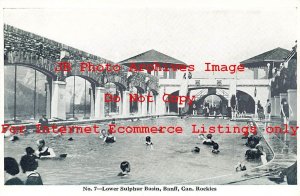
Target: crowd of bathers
[(29, 161), (28, 164)]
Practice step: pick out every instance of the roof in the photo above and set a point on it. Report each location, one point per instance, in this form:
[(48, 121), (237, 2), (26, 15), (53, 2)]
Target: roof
[(152, 56), (275, 55)]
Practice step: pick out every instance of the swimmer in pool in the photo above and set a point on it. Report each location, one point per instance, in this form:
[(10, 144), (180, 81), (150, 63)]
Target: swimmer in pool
[(14, 138), (103, 134), (207, 140), (125, 168), (215, 148), (149, 143), (196, 150), (30, 152), (43, 151), (109, 138), (240, 167)]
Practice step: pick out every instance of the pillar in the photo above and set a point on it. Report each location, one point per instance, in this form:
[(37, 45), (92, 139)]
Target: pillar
[(92, 106), (99, 103), (272, 101), (292, 101), (160, 104), (144, 105), (140, 107), (48, 100), (58, 102), (277, 105), (125, 104)]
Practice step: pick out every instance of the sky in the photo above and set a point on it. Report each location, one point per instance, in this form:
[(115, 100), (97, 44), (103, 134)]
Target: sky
[(192, 35)]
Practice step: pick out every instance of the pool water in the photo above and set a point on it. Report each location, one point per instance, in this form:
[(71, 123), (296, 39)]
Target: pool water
[(90, 161)]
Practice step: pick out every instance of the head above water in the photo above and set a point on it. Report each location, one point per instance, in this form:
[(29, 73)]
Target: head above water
[(28, 163), (125, 166), (29, 151), (148, 139), (40, 143), (103, 131), (215, 146), (196, 149), (209, 136), (11, 166)]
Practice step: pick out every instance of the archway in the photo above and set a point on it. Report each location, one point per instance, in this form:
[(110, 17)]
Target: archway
[(246, 102), (113, 90), (27, 92), (215, 102), (79, 92)]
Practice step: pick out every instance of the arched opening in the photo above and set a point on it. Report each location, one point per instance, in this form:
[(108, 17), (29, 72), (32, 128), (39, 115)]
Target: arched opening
[(151, 106), (172, 107), (217, 105), (78, 97), (134, 106), (25, 92), (245, 102), (113, 107)]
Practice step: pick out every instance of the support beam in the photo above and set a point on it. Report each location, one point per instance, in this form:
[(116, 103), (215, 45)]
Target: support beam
[(144, 106), (292, 101), (125, 104), (92, 103), (161, 105), (48, 99), (58, 102), (272, 100), (277, 106), (99, 103)]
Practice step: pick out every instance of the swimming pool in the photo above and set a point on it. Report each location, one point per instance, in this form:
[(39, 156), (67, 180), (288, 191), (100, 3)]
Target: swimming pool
[(89, 161)]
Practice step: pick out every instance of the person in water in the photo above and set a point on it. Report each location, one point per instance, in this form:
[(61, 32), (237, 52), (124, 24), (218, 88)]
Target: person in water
[(103, 134), (43, 151), (14, 138), (240, 167), (149, 143), (215, 148), (207, 140), (30, 152), (196, 150), (29, 166), (109, 138), (255, 152), (11, 169), (125, 168), (44, 121)]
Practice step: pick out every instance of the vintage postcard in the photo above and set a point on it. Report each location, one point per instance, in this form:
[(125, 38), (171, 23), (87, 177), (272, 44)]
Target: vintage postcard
[(149, 97)]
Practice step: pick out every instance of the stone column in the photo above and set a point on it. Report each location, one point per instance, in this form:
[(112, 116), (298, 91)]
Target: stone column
[(48, 100), (160, 104), (99, 103), (272, 101), (144, 105), (92, 112), (125, 104), (58, 102), (292, 101), (140, 106), (277, 106)]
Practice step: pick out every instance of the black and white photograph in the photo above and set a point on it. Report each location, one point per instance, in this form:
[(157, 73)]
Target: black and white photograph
[(149, 97)]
